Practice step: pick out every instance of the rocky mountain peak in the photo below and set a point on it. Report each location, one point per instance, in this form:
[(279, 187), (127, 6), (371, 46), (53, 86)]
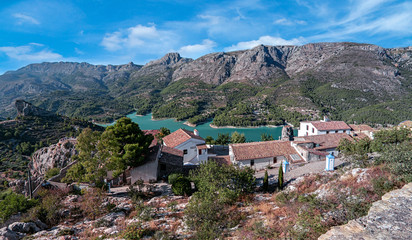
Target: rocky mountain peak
[(27, 109), (168, 59)]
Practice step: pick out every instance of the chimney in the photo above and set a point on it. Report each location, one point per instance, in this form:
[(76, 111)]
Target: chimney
[(196, 132), (326, 119)]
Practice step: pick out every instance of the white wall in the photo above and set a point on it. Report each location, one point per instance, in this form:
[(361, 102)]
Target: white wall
[(260, 163), (303, 129), (313, 131), (190, 146)]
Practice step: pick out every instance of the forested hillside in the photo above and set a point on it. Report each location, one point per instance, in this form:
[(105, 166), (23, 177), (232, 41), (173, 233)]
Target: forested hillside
[(264, 85)]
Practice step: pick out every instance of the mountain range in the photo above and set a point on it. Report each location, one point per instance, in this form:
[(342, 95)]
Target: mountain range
[(354, 82)]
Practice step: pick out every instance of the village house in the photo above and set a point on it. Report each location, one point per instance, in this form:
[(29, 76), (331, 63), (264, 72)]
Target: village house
[(361, 131), (325, 126), (194, 148), (160, 162), (317, 147), (260, 155)]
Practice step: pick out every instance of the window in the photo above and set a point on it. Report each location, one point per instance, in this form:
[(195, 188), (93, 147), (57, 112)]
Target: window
[(327, 132), (185, 151), (307, 127), (200, 151), (252, 162), (275, 160), (313, 130)]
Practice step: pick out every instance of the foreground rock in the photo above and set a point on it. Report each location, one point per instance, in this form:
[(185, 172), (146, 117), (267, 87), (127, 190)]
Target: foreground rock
[(390, 218)]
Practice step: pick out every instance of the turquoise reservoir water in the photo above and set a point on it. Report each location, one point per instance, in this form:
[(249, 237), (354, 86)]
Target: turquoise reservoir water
[(252, 134)]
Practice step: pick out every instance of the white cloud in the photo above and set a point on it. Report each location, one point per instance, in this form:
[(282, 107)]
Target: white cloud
[(31, 53), (197, 50), (265, 40), (22, 18), (143, 38), (287, 22)]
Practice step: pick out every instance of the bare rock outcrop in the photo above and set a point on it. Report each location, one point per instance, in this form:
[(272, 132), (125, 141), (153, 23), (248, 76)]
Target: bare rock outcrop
[(56, 156), (27, 109), (389, 218)]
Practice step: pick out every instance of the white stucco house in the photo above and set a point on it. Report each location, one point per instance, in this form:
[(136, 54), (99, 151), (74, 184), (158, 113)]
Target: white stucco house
[(193, 146), (260, 155), (311, 128)]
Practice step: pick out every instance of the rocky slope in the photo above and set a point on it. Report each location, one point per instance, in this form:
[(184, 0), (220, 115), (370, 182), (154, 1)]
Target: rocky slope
[(33, 129), (343, 79), (58, 155), (389, 218)]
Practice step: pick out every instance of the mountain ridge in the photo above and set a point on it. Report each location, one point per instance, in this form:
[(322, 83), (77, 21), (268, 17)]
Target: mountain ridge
[(305, 80)]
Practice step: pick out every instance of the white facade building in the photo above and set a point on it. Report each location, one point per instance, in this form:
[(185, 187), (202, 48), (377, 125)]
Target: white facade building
[(325, 126)]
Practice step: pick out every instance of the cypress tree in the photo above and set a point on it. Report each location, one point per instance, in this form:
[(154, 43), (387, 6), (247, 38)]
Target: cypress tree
[(266, 181), (280, 180)]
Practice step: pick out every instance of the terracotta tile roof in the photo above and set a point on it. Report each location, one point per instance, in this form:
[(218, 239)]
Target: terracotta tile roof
[(224, 159), (203, 146), (326, 141), (178, 137), (332, 125), (256, 150), (152, 132), (361, 127), (173, 151), (361, 136)]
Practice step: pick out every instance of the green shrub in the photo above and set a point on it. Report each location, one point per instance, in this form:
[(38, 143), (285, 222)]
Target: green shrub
[(52, 172), (14, 203), (65, 232), (173, 177), (182, 186), (135, 232)]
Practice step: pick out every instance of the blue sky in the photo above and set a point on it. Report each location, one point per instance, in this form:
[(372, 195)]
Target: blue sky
[(120, 31)]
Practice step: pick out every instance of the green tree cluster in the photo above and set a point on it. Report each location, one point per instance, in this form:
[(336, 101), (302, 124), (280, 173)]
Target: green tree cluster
[(219, 186), (120, 146)]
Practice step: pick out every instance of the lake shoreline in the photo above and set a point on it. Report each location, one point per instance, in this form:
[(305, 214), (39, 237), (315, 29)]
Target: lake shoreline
[(205, 128), (247, 127)]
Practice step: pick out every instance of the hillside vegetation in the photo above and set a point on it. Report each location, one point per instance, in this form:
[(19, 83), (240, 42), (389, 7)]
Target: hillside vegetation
[(360, 83)]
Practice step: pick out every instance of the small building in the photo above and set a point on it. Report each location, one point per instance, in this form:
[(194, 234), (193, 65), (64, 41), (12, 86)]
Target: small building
[(186, 141), (311, 128), (361, 131), (313, 148), (260, 155)]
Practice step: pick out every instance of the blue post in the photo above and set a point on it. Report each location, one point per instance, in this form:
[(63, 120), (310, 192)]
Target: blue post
[(330, 162)]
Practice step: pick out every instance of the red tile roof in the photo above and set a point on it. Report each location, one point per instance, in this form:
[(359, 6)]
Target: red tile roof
[(223, 159), (361, 127), (178, 137), (203, 146), (326, 141), (332, 125), (152, 132), (173, 151), (256, 150)]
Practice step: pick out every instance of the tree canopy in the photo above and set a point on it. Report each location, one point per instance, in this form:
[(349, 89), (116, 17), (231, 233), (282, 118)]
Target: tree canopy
[(120, 146)]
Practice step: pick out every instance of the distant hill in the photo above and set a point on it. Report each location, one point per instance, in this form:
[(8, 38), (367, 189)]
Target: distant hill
[(354, 82), (32, 129)]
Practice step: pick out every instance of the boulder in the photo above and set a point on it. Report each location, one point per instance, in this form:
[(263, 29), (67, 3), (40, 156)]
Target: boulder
[(23, 227), (7, 234)]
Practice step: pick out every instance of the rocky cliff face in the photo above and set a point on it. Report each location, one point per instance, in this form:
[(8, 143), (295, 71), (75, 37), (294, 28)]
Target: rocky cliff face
[(27, 109), (55, 156), (365, 72), (389, 218)]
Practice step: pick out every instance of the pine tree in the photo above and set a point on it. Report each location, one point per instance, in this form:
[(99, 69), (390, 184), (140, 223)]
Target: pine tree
[(280, 180), (266, 181)]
